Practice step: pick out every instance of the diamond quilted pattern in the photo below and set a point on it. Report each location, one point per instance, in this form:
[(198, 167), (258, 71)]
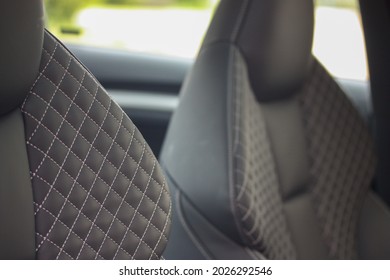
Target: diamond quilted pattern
[(343, 161), (259, 203), (342, 167), (99, 192)]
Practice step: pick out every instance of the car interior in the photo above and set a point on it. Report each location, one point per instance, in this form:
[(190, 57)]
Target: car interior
[(253, 150)]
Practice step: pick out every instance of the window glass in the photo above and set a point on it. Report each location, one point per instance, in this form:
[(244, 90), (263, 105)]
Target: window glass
[(168, 27), (176, 28), (338, 39)]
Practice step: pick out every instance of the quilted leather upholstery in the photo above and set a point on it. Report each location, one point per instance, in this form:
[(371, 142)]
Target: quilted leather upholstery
[(99, 192), (342, 160), (284, 153), (341, 168), (258, 202)]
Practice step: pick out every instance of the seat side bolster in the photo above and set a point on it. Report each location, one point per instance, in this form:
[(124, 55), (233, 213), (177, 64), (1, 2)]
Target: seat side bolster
[(374, 229), (17, 231)]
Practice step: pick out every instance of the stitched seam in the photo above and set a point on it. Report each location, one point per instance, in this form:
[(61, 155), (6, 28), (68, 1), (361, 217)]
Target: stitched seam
[(240, 190), (167, 220), (66, 253), (111, 186), (37, 176), (89, 117), (89, 168), (63, 163), (71, 189), (49, 102), (93, 183), (70, 74), (117, 211), (66, 51), (151, 217), (231, 146), (46, 154), (66, 157), (82, 165), (40, 73), (138, 206), (61, 222), (247, 213), (84, 215), (59, 127)]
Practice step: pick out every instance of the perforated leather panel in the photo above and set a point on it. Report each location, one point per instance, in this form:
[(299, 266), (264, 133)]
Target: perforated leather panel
[(342, 160), (341, 170), (99, 192)]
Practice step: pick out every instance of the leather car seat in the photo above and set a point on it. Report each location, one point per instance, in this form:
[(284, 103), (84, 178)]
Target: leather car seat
[(78, 181), (265, 156)]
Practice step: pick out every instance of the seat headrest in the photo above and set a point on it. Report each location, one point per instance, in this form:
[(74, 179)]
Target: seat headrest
[(275, 38), (21, 31)]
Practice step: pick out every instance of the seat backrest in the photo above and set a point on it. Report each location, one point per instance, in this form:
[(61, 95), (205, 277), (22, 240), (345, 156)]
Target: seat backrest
[(78, 179), (266, 155)]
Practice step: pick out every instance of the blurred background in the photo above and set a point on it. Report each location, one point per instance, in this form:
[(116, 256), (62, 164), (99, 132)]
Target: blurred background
[(176, 28)]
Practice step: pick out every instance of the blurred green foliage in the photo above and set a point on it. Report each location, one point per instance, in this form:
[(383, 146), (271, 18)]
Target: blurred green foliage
[(63, 11), (338, 3)]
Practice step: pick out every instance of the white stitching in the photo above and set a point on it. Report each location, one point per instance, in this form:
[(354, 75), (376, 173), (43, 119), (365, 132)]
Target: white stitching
[(70, 74), (49, 102), (59, 127), (62, 165), (89, 117), (163, 230), (151, 218), (51, 159), (82, 165), (95, 149), (126, 155), (93, 183), (62, 207), (61, 222), (137, 209), (41, 72), (66, 253), (100, 229)]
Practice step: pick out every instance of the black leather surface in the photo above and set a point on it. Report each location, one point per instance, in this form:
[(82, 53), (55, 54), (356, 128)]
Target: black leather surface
[(99, 192), (275, 38), (200, 238), (342, 161), (283, 175), (17, 230), (196, 151), (21, 31)]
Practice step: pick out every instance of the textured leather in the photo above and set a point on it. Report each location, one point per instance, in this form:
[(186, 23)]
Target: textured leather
[(99, 192), (204, 240), (256, 197), (342, 160), (286, 178), (341, 168), (21, 30), (275, 38)]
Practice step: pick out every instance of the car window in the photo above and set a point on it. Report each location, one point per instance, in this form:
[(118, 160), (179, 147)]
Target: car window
[(338, 39), (176, 28), (166, 27)]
